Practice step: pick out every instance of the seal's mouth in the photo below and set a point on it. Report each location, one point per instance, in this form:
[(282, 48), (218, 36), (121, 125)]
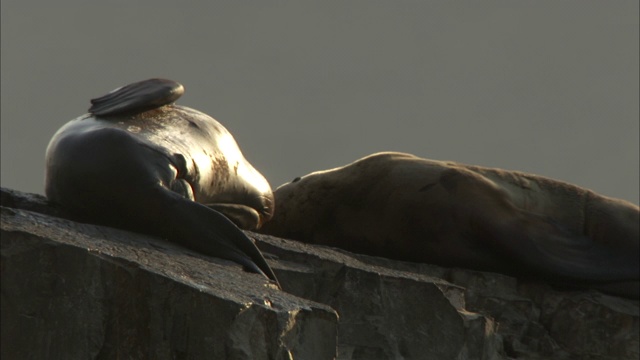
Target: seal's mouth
[(266, 211), (267, 208)]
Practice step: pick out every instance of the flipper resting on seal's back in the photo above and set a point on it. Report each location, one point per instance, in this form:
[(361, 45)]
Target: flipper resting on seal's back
[(137, 97), (161, 173)]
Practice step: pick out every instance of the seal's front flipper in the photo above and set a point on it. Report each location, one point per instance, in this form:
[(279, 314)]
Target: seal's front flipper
[(137, 97), (208, 232)]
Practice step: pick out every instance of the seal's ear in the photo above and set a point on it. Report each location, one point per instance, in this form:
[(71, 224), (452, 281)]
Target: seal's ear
[(137, 97)]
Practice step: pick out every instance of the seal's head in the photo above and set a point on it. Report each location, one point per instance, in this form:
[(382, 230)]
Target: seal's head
[(309, 205)]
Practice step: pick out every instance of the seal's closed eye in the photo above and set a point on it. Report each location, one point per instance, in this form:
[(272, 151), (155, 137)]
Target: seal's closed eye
[(137, 97)]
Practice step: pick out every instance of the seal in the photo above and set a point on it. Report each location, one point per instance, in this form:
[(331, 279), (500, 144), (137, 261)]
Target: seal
[(139, 162), (400, 206)]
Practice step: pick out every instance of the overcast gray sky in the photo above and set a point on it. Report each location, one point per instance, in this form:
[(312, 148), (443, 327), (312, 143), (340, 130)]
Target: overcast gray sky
[(548, 87)]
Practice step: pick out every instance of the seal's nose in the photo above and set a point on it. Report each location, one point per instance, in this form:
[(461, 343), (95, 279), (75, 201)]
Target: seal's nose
[(266, 210)]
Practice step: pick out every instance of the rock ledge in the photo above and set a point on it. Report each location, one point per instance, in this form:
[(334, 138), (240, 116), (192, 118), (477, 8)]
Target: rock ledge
[(85, 291)]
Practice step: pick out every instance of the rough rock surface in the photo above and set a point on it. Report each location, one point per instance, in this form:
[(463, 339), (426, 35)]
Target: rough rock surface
[(105, 292), (397, 310), (79, 291)]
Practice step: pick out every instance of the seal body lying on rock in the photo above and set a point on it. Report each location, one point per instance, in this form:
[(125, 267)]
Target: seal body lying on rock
[(404, 207), (139, 162)]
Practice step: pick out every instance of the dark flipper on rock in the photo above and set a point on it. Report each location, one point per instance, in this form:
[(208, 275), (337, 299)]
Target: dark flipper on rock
[(207, 231)]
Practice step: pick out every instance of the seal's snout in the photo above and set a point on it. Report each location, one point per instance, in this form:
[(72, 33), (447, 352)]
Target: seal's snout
[(266, 210)]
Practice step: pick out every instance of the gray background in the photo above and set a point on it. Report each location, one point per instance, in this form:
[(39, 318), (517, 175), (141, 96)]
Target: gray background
[(549, 87)]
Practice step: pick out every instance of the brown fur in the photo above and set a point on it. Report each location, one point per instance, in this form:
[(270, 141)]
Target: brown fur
[(404, 207)]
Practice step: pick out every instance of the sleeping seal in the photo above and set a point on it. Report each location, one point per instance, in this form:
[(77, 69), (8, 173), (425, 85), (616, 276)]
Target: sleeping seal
[(138, 162), (404, 207)]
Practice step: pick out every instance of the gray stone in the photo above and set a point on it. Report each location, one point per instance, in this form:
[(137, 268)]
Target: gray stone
[(86, 291), (498, 316), (79, 291)]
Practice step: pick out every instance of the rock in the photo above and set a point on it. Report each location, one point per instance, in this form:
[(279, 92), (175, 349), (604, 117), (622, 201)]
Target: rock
[(384, 313), (99, 292), (79, 291), (498, 317)]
